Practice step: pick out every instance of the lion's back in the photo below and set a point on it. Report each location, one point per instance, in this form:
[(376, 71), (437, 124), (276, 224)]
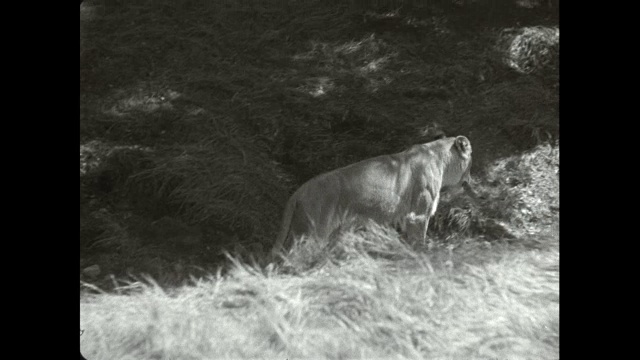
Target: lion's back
[(368, 189)]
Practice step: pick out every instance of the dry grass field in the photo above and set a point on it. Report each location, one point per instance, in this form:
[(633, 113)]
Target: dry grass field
[(478, 301)]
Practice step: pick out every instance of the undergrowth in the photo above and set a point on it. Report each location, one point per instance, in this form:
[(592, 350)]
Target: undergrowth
[(526, 188)]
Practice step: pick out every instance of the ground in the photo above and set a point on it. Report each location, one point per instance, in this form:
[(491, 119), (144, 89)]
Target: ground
[(199, 120)]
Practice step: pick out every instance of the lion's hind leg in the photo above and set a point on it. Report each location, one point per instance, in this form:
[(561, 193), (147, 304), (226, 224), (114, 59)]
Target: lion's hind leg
[(415, 229)]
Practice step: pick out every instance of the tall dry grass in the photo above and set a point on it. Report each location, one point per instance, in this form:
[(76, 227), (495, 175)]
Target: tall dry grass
[(374, 298)]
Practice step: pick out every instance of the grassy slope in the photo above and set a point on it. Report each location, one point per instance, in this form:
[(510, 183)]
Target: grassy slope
[(318, 88), (478, 302)]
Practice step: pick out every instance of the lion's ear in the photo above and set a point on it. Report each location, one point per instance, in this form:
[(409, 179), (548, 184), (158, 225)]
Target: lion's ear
[(463, 145)]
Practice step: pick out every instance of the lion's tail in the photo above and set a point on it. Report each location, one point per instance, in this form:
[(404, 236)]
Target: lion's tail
[(286, 224)]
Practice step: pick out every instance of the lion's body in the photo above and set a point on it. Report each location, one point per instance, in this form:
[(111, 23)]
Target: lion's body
[(398, 189)]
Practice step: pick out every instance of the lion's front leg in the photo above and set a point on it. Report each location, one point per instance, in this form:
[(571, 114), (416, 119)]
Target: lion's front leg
[(431, 210), (417, 225)]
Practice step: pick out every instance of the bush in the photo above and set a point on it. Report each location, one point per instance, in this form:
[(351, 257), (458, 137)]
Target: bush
[(531, 49), (525, 188)]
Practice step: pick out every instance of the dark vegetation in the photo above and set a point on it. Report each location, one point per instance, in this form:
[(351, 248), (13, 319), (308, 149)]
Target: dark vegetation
[(199, 118)]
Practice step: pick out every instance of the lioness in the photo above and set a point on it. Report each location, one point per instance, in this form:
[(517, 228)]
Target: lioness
[(398, 189)]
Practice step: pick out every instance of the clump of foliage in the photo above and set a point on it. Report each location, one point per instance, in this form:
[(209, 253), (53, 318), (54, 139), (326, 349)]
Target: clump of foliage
[(531, 49), (525, 188), (454, 217)]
